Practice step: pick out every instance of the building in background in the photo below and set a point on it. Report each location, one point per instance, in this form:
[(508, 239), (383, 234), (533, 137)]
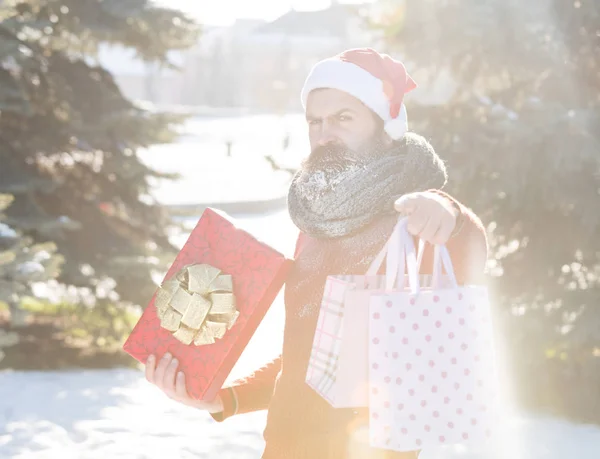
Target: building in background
[(252, 64)]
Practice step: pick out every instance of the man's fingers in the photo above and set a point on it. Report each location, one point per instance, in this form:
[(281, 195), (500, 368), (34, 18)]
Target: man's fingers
[(444, 232), (428, 233), (159, 375), (180, 389), (169, 378), (150, 368), (407, 204), (417, 221)]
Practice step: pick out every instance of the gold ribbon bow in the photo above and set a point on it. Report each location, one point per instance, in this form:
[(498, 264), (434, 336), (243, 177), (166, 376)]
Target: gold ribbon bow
[(198, 305)]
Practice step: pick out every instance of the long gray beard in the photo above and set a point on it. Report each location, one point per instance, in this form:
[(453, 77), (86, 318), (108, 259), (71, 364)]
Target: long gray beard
[(340, 200)]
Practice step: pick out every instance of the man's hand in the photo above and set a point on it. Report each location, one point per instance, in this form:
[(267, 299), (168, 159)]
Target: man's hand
[(165, 376), (431, 217)]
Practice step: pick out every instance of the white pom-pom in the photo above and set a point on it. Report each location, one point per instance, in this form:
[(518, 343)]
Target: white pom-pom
[(397, 127)]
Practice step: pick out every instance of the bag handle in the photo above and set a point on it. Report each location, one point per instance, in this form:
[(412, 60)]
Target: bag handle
[(442, 259), (378, 260), (399, 253)]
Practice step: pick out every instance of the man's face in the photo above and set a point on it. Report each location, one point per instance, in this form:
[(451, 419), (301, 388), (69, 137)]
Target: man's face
[(344, 137), (339, 120)]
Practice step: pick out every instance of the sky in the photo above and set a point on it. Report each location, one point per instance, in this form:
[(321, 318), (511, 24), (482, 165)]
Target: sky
[(225, 12)]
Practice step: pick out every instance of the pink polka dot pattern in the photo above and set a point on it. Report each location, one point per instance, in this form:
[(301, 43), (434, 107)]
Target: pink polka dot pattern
[(434, 389)]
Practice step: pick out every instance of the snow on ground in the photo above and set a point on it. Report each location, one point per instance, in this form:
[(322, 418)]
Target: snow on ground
[(116, 414), (208, 175)]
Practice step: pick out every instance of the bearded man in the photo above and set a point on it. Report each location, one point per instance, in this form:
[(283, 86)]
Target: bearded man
[(365, 169)]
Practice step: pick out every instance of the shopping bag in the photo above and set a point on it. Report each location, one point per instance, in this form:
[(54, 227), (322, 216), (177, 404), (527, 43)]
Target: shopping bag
[(338, 364), (432, 367)]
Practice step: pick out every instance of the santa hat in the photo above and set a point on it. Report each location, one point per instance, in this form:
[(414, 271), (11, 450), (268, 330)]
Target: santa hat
[(375, 79)]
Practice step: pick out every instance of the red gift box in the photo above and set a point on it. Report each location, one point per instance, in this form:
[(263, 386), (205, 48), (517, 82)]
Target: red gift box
[(257, 273)]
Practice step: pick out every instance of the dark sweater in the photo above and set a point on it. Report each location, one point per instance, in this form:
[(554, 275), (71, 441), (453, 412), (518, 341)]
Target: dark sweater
[(300, 424)]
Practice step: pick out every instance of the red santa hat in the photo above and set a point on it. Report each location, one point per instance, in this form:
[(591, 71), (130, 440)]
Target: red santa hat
[(375, 79)]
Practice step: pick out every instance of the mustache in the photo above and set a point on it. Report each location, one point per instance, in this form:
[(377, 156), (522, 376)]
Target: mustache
[(330, 156)]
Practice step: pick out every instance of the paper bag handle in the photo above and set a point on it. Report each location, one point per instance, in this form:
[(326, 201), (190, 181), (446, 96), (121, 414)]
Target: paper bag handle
[(399, 253)]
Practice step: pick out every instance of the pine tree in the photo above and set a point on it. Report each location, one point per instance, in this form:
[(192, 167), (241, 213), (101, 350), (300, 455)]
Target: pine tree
[(22, 264), (69, 140), (521, 135)]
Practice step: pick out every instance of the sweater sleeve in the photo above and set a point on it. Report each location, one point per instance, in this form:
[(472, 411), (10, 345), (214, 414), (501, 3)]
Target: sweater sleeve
[(468, 245), (252, 393)]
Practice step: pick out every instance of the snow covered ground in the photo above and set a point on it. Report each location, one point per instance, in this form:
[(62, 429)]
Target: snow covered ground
[(116, 414), (209, 175)]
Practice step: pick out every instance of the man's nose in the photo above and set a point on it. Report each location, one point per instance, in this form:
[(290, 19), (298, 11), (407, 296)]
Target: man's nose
[(327, 135), (327, 139)]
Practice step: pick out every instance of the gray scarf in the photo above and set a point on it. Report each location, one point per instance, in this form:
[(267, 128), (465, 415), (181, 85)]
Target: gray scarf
[(342, 201)]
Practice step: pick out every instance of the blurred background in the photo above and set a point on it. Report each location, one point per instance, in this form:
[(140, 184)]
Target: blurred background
[(121, 120)]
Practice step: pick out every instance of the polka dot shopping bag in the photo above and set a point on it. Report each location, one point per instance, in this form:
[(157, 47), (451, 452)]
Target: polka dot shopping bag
[(432, 371)]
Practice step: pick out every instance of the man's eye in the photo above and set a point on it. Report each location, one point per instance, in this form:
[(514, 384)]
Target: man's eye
[(343, 118), (314, 122)]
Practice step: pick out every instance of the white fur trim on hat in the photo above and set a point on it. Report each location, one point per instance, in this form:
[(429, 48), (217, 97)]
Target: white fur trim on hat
[(397, 127), (359, 83)]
